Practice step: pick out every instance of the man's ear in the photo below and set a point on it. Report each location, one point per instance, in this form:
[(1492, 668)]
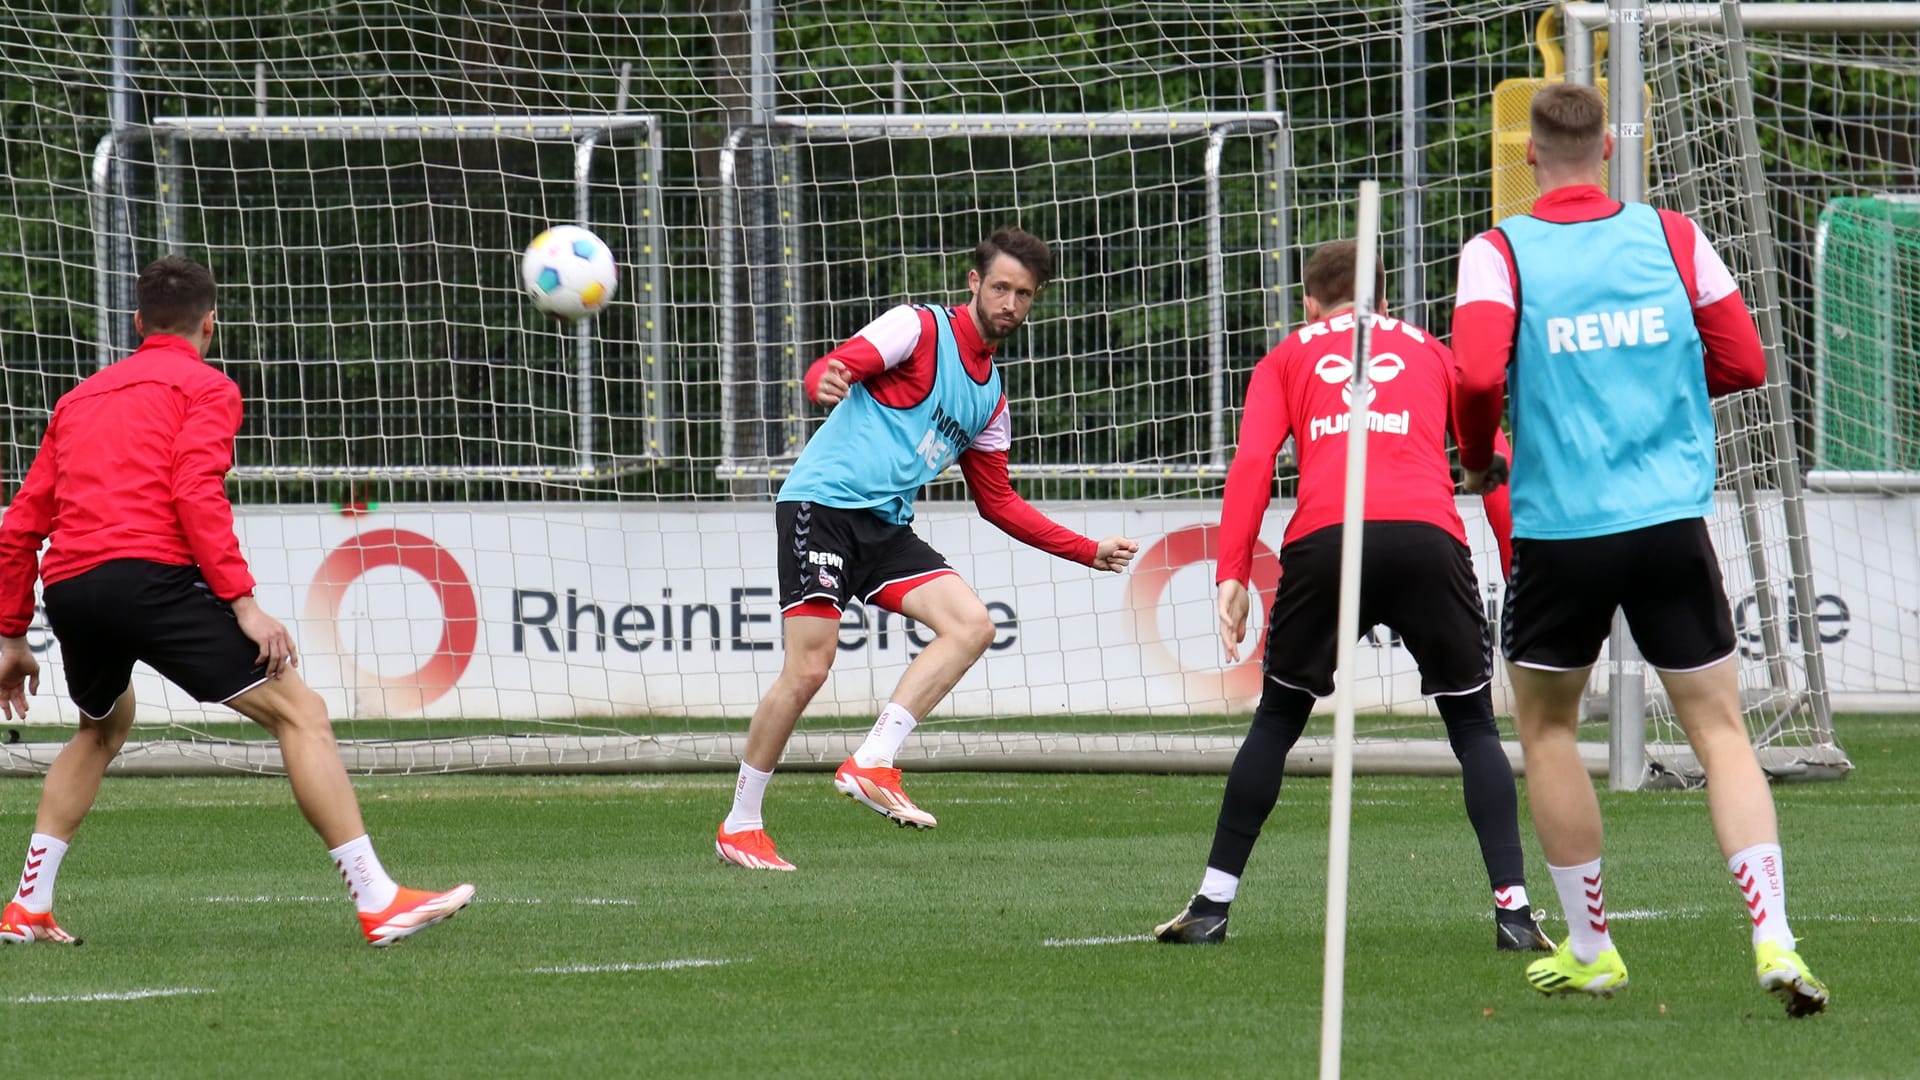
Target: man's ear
[(139, 326), (1532, 158), (1313, 309)]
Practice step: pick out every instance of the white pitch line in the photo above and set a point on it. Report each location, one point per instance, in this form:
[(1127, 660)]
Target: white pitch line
[(1057, 943), (272, 899), (119, 995), (1858, 918), (662, 965), (1641, 914)]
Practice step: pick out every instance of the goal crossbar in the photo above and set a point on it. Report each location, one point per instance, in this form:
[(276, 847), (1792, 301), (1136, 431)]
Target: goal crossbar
[(736, 463)]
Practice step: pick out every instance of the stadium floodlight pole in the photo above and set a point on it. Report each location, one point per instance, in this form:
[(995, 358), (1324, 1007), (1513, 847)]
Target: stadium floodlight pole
[(1347, 633)]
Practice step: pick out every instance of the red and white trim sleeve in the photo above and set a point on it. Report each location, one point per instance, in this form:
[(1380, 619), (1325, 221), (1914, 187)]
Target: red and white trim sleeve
[(1484, 318), (881, 345)]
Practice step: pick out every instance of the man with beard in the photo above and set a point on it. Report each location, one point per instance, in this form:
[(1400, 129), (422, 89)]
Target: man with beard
[(911, 393)]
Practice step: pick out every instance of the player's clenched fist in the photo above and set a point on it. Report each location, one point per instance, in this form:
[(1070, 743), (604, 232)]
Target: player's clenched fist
[(1114, 553), (833, 384)]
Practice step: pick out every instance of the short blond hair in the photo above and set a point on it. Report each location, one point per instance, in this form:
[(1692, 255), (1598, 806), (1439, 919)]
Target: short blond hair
[(1569, 124)]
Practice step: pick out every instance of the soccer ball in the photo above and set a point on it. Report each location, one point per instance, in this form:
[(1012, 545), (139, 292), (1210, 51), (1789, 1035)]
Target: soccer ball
[(569, 272)]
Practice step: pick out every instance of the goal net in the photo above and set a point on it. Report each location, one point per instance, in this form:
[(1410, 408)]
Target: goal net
[(506, 542)]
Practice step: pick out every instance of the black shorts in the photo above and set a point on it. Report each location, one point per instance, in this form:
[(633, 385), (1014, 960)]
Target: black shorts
[(1562, 595), (829, 555), (1415, 578), (164, 616)]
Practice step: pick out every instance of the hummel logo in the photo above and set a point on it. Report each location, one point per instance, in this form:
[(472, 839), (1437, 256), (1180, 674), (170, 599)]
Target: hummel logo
[(28, 879), (1336, 369), (1503, 897), (34, 852)]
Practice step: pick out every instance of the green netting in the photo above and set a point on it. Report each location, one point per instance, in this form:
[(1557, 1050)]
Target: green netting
[(1868, 307)]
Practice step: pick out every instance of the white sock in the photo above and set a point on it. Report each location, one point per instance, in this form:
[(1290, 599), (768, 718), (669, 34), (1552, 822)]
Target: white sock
[(1582, 897), (36, 877), (1763, 885), (1510, 898), (883, 742), (367, 880), (747, 793), (1219, 886)]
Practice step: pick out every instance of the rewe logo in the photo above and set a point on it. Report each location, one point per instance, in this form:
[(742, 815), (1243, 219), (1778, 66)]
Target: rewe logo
[(1607, 330)]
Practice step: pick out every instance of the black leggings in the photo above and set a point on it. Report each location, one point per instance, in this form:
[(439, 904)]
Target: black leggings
[(1253, 784)]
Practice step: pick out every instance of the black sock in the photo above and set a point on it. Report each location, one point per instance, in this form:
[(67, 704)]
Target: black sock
[(1486, 778), (1253, 784)]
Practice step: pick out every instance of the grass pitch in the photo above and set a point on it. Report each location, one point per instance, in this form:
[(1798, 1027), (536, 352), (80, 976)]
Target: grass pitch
[(607, 940)]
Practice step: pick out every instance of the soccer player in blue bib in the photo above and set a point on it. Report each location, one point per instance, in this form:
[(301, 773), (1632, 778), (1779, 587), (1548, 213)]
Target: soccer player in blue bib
[(912, 393), (1607, 328)]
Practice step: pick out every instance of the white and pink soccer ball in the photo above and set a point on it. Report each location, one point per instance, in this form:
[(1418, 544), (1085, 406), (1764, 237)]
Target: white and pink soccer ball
[(569, 272)]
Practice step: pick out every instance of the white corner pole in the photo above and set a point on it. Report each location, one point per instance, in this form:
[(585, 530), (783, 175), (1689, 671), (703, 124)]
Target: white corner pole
[(1347, 633)]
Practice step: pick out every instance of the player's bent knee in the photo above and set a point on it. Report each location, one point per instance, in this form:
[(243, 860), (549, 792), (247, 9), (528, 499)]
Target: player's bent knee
[(809, 677), (807, 670), (974, 631), (109, 732), (283, 706), (105, 741)]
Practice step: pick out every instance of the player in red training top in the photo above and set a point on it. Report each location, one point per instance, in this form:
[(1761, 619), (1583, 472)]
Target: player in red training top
[(144, 565), (1416, 577)]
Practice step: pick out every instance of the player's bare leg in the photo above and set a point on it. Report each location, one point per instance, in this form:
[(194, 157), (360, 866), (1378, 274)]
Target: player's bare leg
[(1707, 704), (962, 632), (1566, 815), (71, 786), (811, 643), (1560, 795), (73, 780), (296, 717)]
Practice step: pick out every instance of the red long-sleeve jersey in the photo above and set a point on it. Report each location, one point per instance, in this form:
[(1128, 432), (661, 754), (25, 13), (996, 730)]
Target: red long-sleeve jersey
[(1300, 389), (133, 466), (894, 358), (1485, 315)]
